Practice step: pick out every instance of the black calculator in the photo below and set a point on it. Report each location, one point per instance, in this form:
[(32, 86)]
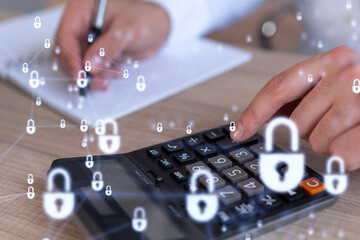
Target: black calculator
[(157, 179)]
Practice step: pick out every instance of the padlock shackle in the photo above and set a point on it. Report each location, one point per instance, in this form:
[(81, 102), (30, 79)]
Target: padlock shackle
[(194, 177), (108, 187), (294, 134), (141, 210), (83, 122), (34, 72), (58, 171), (99, 174), (89, 158), (188, 127), (232, 124), (113, 123), (88, 64), (356, 80), (32, 189), (83, 73), (140, 79), (331, 161), (31, 121), (159, 124), (30, 176)]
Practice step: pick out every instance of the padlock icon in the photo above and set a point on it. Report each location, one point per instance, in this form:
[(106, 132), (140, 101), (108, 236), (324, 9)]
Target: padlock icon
[(126, 74), (110, 143), (90, 38), (42, 81), (136, 64), (87, 66), (202, 207), (47, 43), (62, 123), (30, 179), (25, 67), (356, 86), (34, 80), (83, 125), (82, 80), (159, 127), (232, 127), (140, 83), (38, 101), (30, 128), (99, 127), (108, 190), (102, 52), (139, 221), (269, 162), (37, 22), (58, 205), (97, 182), (248, 236), (335, 183), (84, 143), (89, 162), (31, 192), (188, 129)]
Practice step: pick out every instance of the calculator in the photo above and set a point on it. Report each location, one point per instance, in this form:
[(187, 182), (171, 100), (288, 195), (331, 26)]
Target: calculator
[(157, 179)]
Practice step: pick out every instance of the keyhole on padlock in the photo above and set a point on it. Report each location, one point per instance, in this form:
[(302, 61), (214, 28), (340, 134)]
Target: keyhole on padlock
[(282, 168), (58, 204), (335, 183), (109, 143), (202, 206)]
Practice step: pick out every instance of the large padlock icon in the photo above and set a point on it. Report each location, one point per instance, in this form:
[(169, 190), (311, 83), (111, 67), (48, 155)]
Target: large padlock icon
[(30, 128), (87, 66), (38, 101), (99, 127), (37, 22), (335, 183), (25, 67), (97, 182), (30, 179), (108, 190), (89, 162), (110, 143), (58, 205), (202, 207), (82, 80), (126, 74), (159, 127), (232, 127), (102, 52), (83, 125), (62, 123), (47, 43), (139, 221), (356, 86), (188, 129), (140, 83), (34, 80), (31, 192), (294, 161)]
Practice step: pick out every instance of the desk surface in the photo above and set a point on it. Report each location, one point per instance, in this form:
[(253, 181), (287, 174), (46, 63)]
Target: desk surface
[(205, 104)]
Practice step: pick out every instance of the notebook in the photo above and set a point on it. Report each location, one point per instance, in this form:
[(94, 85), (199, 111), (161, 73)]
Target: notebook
[(171, 70)]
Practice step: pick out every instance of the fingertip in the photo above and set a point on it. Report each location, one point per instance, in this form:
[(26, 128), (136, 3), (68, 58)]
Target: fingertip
[(238, 134)]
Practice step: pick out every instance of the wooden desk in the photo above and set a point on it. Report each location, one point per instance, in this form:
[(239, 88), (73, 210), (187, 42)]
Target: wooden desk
[(205, 104)]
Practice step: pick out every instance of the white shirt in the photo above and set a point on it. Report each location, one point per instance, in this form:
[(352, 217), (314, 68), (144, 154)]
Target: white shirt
[(194, 18)]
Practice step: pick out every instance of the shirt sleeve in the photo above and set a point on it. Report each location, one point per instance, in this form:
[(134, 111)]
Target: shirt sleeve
[(194, 18)]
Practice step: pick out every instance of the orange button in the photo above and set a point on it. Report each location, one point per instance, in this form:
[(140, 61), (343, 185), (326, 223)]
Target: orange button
[(312, 186)]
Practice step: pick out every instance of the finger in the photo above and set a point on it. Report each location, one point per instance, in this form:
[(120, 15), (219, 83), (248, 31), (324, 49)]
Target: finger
[(102, 81), (346, 146)]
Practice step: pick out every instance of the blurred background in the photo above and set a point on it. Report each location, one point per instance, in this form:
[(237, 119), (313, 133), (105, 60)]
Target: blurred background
[(302, 26)]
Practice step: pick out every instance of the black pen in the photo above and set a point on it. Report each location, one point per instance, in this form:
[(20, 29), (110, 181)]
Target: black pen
[(95, 32)]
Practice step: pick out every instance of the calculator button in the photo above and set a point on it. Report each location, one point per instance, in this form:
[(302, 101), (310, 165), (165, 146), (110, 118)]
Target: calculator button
[(312, 186), (228, 195), (258, 148), (234, 174), (218, 181), (224, 218), (193, 140), (206, 151), (294, 195), (184, 157), (220, 162), (270, 202), (165, 164), (228, 143), (178, 176), (251, 187), (253, 167), (246, 210), (172, 147), (214, 135), (153, 153), (196, 167), (241, 155)]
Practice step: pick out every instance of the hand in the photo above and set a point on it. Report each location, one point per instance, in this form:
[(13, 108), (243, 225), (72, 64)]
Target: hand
[(135, 30), (326, 110)]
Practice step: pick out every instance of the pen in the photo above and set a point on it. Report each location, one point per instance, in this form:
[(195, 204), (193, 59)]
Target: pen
[(95, 32)]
